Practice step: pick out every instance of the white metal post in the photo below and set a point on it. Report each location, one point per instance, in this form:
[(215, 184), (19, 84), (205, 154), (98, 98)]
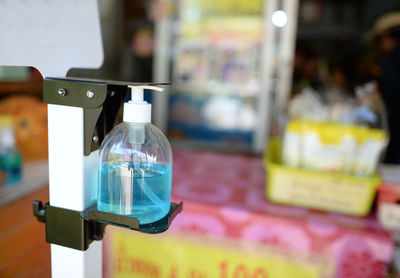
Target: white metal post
[(161, 64), (268, 64), (73, 185), (287, 46), (276, 66)]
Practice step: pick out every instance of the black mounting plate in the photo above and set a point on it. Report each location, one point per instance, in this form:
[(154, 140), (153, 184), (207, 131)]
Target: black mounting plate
[(100, 109), (77, 229)]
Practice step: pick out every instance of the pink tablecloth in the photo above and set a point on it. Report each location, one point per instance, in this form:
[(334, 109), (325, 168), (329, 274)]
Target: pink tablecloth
[(224, 195)]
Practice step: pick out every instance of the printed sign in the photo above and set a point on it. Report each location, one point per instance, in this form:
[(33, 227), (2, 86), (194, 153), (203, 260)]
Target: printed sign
[(174, 255)]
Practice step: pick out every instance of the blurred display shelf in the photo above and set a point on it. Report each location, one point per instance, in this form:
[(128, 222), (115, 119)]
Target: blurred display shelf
[(217, 88), (30, 88), (35, 175)]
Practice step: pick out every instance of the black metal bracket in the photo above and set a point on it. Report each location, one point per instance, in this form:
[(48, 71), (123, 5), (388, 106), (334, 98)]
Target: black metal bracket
[(77, 229), (100, 100)]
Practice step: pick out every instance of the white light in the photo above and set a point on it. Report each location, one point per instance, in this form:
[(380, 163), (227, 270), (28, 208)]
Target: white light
[(279, 18)]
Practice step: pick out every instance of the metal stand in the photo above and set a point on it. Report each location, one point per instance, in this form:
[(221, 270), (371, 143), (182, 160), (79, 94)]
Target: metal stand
[(80, 114), (53, 37)]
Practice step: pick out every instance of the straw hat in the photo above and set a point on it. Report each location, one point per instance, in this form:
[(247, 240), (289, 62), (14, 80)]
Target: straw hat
[(386, 22)]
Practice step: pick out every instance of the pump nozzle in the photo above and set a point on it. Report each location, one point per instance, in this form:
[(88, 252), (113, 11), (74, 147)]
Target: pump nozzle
[(137, 110), (138, 91)]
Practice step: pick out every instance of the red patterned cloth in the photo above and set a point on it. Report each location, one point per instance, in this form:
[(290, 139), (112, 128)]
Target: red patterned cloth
[(224, 195)]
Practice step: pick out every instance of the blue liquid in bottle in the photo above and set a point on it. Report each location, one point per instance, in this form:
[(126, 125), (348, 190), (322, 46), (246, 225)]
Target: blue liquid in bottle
[(143, 192)]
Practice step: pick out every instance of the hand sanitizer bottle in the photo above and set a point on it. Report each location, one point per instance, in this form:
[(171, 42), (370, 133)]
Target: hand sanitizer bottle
[(135, 166)]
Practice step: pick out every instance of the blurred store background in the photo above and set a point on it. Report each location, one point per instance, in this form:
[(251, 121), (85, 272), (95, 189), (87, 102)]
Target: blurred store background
[(284, 120)]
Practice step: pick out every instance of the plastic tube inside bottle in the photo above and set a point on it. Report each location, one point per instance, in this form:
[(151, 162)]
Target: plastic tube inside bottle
[(137, 138)]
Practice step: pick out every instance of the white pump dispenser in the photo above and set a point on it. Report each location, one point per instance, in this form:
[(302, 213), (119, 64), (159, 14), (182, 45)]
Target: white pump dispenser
[(137, 110)]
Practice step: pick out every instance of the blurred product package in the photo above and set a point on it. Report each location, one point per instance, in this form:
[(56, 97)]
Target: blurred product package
[(330, 150), (336, 133), (365, 108), (10, 157), (322, 190), (331, 147), (30, 125)]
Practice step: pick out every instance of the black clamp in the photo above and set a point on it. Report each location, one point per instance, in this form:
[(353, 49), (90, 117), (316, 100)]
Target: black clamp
[(77, 229)]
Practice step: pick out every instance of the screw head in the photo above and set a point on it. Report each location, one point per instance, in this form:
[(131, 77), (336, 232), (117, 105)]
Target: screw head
[(62, 92), (90, 94), (95, 139)]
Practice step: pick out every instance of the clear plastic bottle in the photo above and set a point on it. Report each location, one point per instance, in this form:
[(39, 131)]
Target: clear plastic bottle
[(135, 167)]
